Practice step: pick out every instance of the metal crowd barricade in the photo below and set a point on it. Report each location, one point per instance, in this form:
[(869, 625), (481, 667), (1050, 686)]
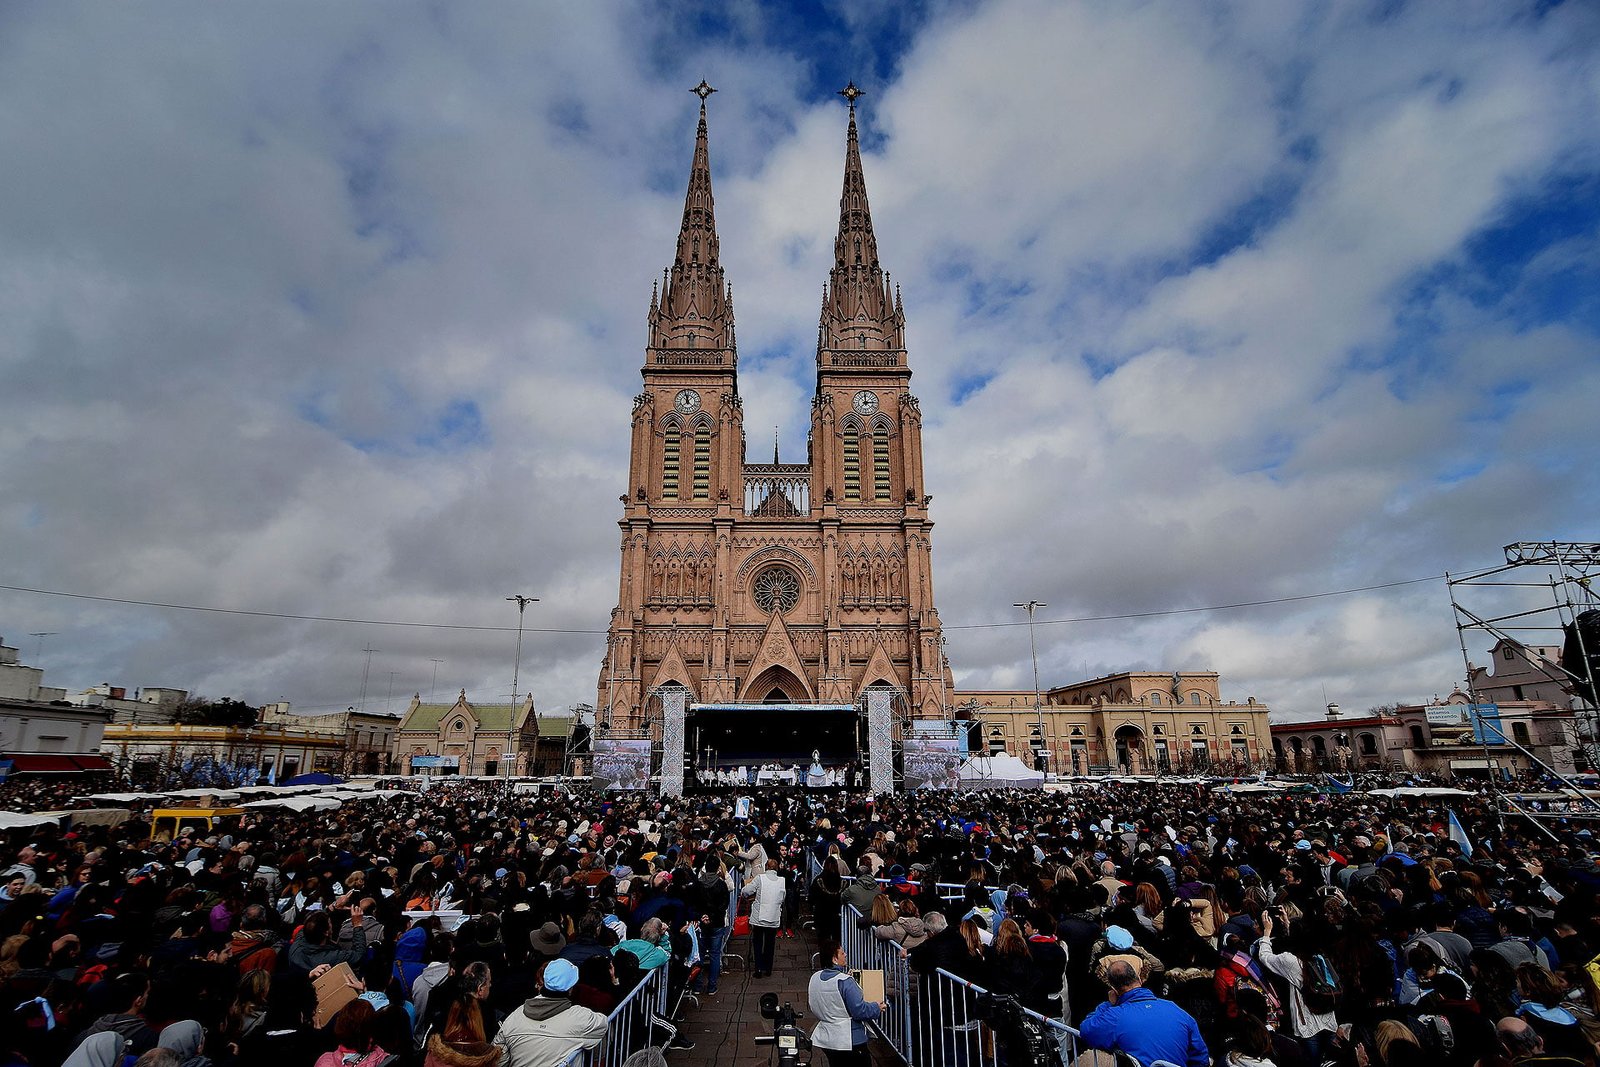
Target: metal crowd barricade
[(950, 1029), (864, 951), (737, 877), (631, 1026), (945, 891)]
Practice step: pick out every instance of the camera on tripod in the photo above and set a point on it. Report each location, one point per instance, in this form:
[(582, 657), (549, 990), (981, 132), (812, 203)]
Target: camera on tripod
[(1026, 1041), (788, 1040)]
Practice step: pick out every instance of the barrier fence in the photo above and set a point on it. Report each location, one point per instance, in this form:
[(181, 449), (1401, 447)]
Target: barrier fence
[(939, 1020), (866, 951), (632, 1025)]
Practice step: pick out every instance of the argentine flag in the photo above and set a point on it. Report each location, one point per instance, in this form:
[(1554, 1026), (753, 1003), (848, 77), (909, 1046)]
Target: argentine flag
[(1458, 834)]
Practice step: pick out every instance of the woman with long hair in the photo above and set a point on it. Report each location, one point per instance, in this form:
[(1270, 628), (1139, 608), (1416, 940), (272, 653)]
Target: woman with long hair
[(1290, 959), (1544, 1008), (462, 1041), (883, 911), (1011, 967), (1147, 909), (249, 1007)]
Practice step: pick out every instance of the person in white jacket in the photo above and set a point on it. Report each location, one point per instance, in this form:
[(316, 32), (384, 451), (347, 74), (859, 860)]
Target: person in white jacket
[(1314, 1029), (549, 1026), (766, 915)]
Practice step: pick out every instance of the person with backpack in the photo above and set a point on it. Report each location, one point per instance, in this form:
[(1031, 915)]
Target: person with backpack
[(1313, 985)]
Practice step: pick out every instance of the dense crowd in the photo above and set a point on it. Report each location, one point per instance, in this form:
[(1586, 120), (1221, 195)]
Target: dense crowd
[(1168, 922)]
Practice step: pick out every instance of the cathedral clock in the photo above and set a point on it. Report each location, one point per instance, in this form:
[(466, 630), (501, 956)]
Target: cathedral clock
[(866, 402), (687, 401)]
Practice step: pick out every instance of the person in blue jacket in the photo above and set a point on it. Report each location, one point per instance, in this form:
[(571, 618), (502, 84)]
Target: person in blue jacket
[(1136, 1021)]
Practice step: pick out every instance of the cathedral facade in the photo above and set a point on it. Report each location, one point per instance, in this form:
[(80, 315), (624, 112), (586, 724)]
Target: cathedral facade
[(774, 583)]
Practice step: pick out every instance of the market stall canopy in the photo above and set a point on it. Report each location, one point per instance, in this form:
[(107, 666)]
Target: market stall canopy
[(16, 820), (296, 804), (1422, 791)]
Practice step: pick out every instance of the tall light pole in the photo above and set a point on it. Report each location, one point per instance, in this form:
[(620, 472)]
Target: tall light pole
[(435, 683), (516, 670), (1033, 646)]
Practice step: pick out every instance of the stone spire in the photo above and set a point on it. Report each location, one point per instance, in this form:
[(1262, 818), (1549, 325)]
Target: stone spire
[(859, 309), (695, 309)]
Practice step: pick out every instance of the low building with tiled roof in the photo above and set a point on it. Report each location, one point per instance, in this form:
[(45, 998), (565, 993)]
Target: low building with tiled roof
[(466, 738)]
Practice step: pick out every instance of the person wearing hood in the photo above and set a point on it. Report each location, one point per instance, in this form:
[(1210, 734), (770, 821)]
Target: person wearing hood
[(409, 953), (549, 1026), (438, 969), (105, 1049), (188, 1040), (862, 890), (126, 1000)]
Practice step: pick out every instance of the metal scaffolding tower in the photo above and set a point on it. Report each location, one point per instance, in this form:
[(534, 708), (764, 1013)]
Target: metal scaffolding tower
[(1511, 604)]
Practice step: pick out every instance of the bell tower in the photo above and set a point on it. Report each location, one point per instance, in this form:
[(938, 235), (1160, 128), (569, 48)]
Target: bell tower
[(866, 461)]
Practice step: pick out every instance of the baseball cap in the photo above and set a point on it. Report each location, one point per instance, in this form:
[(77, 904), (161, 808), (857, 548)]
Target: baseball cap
[(1119, 938)]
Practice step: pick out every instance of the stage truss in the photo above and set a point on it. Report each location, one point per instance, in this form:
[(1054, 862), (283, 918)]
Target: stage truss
[(1542, 606)]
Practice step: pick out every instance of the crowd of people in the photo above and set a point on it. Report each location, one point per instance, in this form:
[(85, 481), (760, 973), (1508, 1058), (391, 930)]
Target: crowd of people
[(1164, 921)]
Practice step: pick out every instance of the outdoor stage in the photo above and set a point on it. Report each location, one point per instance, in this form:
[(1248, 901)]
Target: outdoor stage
[(733, 735)]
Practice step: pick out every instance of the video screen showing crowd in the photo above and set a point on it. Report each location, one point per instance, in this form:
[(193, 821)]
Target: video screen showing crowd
[(469, 925)]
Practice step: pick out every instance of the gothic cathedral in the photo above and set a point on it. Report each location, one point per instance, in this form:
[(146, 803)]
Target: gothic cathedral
[(761, 583)]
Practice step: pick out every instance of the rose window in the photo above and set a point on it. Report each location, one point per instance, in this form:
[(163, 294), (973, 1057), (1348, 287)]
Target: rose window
[(777, 590)]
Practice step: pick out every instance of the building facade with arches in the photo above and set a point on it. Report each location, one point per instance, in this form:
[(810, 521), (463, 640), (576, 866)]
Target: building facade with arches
[(773, 583), (1132, 722)]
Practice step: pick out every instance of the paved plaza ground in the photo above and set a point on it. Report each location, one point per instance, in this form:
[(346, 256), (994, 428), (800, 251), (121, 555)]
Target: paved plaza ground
[(725, 1026)]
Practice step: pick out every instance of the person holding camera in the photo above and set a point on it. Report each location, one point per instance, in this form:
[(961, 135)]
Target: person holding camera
[(841, 1010)]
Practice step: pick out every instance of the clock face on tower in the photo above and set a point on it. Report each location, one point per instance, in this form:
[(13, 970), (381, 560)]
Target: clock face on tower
[(687, 401), (866, 402)]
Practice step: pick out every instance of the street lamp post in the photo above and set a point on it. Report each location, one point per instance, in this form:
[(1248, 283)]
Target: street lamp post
[(516, 671), (1033, 647)]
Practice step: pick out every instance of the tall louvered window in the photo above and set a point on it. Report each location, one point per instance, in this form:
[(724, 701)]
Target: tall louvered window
[(669, 464), (852, 466), (702, 463), (880, 464)]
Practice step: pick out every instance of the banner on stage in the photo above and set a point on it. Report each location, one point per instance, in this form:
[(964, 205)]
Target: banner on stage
[(933, 762), (622, 763)]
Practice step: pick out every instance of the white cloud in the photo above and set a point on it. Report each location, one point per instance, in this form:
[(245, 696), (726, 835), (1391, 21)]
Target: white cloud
[(1167, 257)]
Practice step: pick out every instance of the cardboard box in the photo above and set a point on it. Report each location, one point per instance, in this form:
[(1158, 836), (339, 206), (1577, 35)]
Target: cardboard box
[(333, 992), (871, 983)]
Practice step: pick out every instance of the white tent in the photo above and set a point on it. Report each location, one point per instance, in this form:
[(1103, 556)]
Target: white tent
[(1000, 771), (14, 820)]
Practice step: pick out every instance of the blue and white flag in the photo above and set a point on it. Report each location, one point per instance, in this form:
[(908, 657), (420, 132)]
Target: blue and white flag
[(1458, 833)]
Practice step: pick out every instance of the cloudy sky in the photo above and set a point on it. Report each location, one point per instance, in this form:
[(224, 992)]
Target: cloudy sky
[(337, 311)]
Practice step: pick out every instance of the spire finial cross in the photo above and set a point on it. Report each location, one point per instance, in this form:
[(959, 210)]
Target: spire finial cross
[(702, 91), (851, 93)]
